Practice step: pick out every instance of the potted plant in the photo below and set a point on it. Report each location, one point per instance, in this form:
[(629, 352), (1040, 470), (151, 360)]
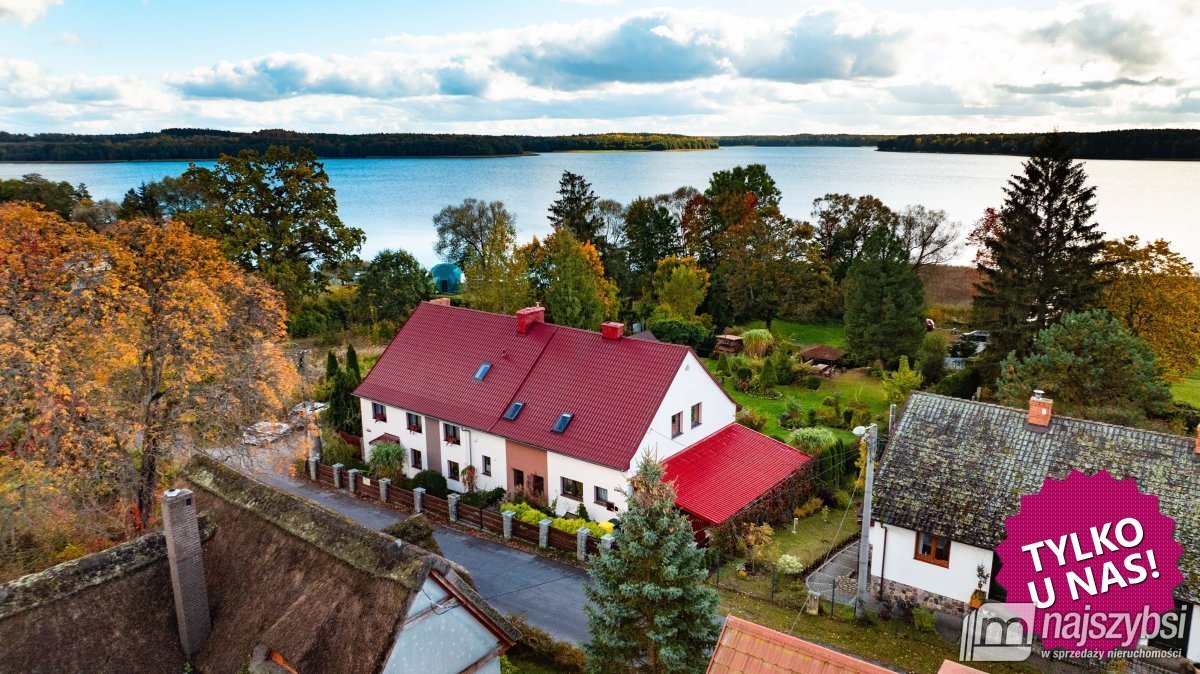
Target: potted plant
[(978, 596)]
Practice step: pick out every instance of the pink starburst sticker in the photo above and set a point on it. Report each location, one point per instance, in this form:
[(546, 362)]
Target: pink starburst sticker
[(1096, 557)]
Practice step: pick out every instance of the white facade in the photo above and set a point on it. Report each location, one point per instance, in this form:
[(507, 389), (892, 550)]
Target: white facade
[(472, 446), (591, 475), (692, 385), (899, 564)]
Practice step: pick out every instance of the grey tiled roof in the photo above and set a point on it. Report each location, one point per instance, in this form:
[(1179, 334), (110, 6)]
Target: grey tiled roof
[(958, 468)]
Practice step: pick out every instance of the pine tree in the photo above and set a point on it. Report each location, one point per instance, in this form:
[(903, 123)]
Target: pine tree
[(649, 609), (1044, 255), (345, 411), (331, 366), (352, 364), (884, 300), (575, 210)]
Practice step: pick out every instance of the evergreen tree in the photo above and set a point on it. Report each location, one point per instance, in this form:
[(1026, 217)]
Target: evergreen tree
[(392, 286), (352, 363), (331, 365), (652, 233), (884, 300), (1045, 256), (649, 609), (577, 294), (345, 411), (932, 358), (575, 210)]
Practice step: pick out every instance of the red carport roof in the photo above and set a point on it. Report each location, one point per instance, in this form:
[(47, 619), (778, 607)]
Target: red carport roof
[(749, 648), (728, 470)]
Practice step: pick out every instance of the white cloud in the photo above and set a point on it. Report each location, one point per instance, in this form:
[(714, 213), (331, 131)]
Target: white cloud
[(25, 11)]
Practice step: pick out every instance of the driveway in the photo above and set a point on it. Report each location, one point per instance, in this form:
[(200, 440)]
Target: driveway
[(548, 593)]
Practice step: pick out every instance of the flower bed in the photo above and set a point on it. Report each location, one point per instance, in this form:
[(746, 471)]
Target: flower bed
[(530, 515)]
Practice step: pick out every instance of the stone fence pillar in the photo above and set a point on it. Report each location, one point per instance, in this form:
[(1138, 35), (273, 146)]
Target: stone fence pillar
[(606, 541), (581, 539), (312, 468), (337, 475), (419, 500), (354, 473), (452, 506), (384, 483), (508, 517), (544, 532)]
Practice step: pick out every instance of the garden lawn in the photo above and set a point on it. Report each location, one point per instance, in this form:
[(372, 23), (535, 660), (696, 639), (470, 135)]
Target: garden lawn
[(807, 334), (892, 644), (1188, 390)]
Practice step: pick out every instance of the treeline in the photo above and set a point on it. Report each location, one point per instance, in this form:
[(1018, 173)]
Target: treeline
[(1123, 144), (805, 140), (200, 144)]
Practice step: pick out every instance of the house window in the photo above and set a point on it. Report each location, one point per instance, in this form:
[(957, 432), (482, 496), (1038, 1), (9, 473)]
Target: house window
[(572, 488), (695, 415), (378, 412), (601, 496), (676, 424), (518, 478), (414, 422), (451, 434), (487, 465), (416, 459), (933, 549), (452, 470)]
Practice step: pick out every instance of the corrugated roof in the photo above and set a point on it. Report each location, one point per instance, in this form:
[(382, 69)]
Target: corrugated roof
[(958, 468), (748, 648), (612, 387), (725, 472)]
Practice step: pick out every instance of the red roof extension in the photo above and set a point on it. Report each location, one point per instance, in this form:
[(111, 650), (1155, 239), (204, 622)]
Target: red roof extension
[(748, 648), (612, 387), (725, 472)]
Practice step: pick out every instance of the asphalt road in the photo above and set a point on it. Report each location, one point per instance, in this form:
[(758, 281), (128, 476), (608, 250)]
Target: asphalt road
[(548, 593)]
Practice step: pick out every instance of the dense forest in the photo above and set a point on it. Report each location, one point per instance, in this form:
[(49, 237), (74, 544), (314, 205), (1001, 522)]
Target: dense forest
[(1124, 144), (197, 144), (805, 140)]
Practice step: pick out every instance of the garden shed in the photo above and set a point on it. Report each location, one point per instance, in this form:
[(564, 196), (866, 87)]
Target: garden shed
[(446, 278)]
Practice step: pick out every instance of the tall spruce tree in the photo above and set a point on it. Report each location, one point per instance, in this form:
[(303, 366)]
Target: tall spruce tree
[(1044, 256), (345, 412), (576, 209), (884, 300), (650, 610)]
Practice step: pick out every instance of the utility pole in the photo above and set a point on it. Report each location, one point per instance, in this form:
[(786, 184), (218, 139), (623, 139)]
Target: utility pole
[(870, 436)]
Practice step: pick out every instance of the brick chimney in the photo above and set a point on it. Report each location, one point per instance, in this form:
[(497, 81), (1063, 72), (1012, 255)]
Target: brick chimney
[(1198, 439), (441, 301), (186, 557), (612, 330), (528, 317), (1039, 409)]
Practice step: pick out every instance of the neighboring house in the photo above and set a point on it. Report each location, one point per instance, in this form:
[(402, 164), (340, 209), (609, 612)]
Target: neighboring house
[(558, 411), (250, 579), (446, 278), (955, 469), (749, 648)]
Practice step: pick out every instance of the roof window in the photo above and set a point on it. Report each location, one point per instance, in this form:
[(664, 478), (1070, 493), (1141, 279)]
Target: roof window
[(513, 410), (482, 371), (563, 420)]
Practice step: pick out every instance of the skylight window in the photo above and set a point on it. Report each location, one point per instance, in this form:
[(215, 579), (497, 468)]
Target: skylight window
[(482, 371), (513, 410), (563, 420)]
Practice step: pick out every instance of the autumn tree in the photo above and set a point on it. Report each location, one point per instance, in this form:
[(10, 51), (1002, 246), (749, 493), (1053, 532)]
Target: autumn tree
[(842, 224), (884, 300), (928, 235), (576, 292), (649, 609), (392, 286), (1154, 293), (1044, 256), (497, 279), (771, 265), (575, 209), (274, 214), (463, 230), (901, 382), (680, 284)]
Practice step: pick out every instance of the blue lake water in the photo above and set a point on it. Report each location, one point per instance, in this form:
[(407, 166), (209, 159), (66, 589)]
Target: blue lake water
[(393, 200)]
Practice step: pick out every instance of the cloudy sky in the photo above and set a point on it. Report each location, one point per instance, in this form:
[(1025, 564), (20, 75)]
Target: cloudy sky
[(754, 66)]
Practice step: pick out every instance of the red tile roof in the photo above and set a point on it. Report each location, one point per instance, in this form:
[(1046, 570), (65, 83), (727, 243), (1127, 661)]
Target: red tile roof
[(748, 648), (725, 472), (612, 387)]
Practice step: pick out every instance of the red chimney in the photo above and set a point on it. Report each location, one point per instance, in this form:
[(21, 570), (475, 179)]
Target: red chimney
[(441, 301), (1039, 409), (1197, 438), (612, 330), (527, 317)]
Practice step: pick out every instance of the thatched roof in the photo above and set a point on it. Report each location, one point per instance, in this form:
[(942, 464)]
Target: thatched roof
[(323, 591)]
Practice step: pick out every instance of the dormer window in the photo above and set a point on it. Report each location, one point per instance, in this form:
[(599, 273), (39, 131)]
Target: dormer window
[(513, 410), (482, 371), (563, 420)]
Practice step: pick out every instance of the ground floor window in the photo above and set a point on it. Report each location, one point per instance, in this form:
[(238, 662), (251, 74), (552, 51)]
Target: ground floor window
[(933, 549), (416, 459), (518, 478), (452, 470), (572, 488), (487, 465), (601, 496)]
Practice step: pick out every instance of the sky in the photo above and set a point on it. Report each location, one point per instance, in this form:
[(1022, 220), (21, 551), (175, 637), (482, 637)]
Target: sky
[(582, 66)]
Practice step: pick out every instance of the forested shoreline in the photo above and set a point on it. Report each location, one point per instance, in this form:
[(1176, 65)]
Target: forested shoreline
[(1175, 144)]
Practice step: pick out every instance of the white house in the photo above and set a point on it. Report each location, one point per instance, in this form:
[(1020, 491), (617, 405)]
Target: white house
[(559, 411), (955, 469)]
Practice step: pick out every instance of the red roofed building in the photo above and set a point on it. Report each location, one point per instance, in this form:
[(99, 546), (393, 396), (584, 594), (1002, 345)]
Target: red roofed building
[(748, 648), (561, 411), (729, 471)]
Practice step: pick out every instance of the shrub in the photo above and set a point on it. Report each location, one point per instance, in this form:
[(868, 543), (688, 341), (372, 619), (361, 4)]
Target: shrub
[(767, 379), (756, 342), (307, 324), (387, 460), (841, 499), (752, 418), (573, 525), (524, 512), (931, 360), (793, 415), (961, 384), (923, 619), (678, 331), (336, 450), (812, 441), (483, 499), (812, 382), (540, 647), (810, 506), (785, 371), (582, 513), (789, 565), (723, 365), (433, 483)]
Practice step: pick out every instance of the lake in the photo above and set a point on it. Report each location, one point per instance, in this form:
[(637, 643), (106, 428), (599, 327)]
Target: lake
[(393, 200)]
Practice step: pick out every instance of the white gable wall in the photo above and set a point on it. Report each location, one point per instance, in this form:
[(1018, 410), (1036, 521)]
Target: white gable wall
[(956, 581), (692, 384)]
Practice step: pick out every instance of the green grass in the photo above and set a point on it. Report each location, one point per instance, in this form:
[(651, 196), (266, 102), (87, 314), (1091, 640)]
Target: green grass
[(1188, 390), (808, 334), (892, 643)]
